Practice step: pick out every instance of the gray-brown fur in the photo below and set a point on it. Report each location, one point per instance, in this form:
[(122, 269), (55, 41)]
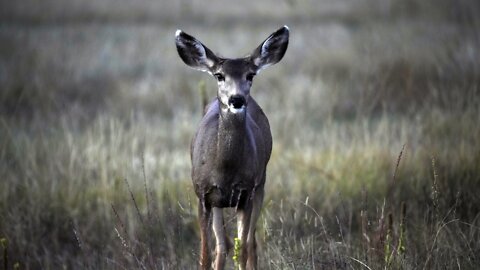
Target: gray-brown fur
[(229, 155)]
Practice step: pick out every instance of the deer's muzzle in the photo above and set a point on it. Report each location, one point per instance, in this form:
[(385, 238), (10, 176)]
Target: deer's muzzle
[(237, 102)]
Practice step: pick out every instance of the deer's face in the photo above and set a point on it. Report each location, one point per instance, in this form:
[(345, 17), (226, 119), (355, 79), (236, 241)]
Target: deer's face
[(234, 79), (234, 76)]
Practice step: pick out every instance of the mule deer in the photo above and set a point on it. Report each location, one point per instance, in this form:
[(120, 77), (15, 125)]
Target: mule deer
[(232, 145)]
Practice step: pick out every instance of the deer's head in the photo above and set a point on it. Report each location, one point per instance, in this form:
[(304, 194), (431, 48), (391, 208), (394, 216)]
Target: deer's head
[(234, 76)]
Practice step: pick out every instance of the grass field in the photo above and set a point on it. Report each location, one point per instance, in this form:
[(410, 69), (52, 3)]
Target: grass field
[(374, 113)]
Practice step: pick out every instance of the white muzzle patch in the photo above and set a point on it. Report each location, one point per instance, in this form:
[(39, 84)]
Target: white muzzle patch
[(234, 110)]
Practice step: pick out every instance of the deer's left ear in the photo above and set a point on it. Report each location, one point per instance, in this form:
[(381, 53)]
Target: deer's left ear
[(194, 53), (272, 50)]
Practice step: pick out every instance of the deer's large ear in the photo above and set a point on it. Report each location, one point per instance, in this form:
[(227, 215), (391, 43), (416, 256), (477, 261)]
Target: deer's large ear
[(194, 53), (272, 50)]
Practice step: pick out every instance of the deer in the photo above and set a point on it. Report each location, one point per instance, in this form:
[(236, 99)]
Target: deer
[(231, 147)]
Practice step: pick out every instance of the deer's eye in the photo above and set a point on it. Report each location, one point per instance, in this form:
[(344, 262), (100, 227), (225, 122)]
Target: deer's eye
[(250, 76), (219, 77)]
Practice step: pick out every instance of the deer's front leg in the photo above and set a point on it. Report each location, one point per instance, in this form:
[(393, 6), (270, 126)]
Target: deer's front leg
[(243, 225), (251, 241), (204, 220), (220, 237)]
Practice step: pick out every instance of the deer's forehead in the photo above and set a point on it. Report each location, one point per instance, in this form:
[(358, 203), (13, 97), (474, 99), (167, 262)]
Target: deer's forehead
[(236, 67)]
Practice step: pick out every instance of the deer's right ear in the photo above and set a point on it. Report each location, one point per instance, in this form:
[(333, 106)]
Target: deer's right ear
[(194, 53)]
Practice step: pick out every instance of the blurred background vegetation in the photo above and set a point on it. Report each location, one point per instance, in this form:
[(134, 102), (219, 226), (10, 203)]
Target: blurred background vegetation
[(374, 113)]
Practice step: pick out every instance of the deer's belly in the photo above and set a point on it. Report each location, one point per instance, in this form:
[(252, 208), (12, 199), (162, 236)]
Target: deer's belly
[(226, 191), (221, 197)]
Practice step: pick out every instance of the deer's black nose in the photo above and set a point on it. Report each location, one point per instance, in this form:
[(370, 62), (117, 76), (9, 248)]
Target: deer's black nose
[(237, 101)]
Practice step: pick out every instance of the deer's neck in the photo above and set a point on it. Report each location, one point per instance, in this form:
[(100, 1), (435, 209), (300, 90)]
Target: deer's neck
[(232, 134)]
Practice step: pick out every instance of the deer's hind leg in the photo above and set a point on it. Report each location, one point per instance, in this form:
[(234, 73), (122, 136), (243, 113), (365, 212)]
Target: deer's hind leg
[(204, 213)]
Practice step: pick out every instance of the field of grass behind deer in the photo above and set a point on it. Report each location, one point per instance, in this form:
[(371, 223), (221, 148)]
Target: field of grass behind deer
[(374, 113)]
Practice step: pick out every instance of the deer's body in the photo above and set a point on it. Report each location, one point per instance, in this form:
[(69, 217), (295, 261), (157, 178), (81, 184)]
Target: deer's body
[(221, 173), (232, 145)]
